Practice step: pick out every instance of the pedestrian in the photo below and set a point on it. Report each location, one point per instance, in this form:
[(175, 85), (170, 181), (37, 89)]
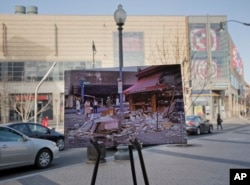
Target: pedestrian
[(109, 102), (78, 107), (219, 121), (45, 121), (95, 106), (87, 108), (117, 101)]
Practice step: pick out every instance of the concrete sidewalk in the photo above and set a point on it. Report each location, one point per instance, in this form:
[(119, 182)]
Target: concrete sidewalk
[(204, 160)]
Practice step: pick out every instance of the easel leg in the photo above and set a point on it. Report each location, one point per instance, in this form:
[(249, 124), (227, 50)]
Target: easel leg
[(132, 164), (138, 147), (98, 150)]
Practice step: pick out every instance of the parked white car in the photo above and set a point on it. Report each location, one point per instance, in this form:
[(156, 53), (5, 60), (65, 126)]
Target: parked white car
[(17, 149)]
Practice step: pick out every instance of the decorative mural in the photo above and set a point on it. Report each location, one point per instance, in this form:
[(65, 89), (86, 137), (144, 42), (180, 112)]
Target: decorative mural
[(237, 61), (198, 39), (201, 69)]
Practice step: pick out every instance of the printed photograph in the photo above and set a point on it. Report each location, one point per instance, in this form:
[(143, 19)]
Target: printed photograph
[(113, 105)]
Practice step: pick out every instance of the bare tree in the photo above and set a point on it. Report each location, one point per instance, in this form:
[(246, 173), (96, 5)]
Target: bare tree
[(174, 48), (23, 104)]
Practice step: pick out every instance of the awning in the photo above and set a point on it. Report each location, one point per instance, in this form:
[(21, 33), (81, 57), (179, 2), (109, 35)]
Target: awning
[(145, 85)]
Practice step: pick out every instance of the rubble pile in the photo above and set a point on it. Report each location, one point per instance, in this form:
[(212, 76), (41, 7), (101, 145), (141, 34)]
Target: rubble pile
[(148, 127)]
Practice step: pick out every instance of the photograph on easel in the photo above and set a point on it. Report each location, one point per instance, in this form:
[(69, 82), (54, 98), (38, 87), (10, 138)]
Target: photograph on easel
[(111, 106)]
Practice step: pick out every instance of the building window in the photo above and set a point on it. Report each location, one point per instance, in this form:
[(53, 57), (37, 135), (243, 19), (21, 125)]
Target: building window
[(34, 71)]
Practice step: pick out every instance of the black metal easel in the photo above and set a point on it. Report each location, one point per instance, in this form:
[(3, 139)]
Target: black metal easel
[(137, 146)]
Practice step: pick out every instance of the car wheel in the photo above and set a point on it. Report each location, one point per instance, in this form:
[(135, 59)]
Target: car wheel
[(198, 131), (43, 158), (210, 129), (60, 144)]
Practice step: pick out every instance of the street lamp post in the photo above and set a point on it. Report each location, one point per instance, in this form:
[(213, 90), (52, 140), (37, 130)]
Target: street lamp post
[(37, 87), (222, 24), (120, 18)]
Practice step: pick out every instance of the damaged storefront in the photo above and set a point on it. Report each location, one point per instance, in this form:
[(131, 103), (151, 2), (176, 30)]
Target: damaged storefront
[(156, 98)]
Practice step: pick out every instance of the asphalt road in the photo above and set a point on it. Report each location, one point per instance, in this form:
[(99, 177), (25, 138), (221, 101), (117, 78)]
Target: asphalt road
[(79, 155), (67, 157)]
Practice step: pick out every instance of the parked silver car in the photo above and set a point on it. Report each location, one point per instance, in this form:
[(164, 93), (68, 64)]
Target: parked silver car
[(17, 149), (198, 124), (36, 130)]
